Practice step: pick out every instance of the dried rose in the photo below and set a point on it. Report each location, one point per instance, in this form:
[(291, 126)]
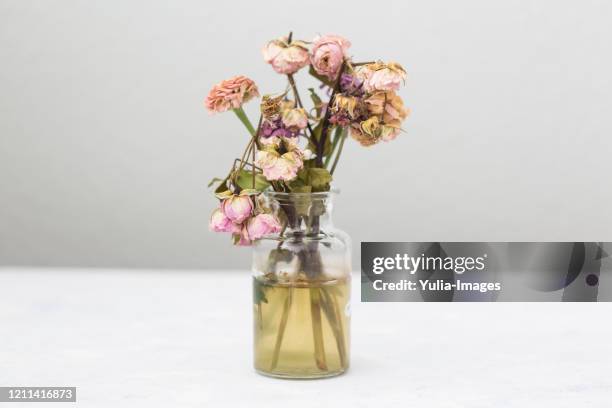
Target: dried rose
[(372, 131), (381, 76), (286, 58), (361, 137), (260, 225), (348, 104), (328, 53), (219, 222), (237, 208), (279, 167), (389, 105)]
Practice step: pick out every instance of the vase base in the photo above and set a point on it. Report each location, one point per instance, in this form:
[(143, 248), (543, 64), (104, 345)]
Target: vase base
[(300, 376)]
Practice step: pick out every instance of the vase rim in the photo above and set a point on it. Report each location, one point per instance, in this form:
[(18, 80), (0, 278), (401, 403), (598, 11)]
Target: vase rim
[(316, 194)]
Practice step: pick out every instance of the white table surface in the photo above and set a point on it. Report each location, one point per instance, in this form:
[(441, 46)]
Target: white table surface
[(181, 339)]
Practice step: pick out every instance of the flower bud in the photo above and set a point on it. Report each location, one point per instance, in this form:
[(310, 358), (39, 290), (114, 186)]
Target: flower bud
[(219, 222), (262, 224), (237, 208)]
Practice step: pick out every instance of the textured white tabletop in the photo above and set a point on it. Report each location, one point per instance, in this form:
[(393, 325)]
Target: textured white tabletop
[(183, 339)]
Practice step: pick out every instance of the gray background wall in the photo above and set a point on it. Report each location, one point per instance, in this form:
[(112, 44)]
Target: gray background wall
[(105, 148)]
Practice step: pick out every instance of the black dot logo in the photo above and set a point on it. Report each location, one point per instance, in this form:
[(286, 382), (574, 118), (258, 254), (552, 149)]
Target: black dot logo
[(592, 280)]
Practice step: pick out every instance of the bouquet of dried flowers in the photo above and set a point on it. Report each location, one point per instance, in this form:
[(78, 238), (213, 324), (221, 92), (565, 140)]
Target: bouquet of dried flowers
[(295, 148)]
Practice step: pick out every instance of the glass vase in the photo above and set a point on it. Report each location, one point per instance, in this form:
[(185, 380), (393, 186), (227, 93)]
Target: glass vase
[(301, 289)]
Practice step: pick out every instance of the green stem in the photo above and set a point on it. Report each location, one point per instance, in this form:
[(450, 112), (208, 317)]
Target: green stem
[(295, 90), (343, 136), (298, 100), (251, 147), (337, 137), (281, 330), (317, 329), (325, 124), (255, 136), (329, 305), (245, 120), (356, 64)]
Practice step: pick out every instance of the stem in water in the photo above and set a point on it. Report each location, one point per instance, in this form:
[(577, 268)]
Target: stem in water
[(281, 331), (317, 328)]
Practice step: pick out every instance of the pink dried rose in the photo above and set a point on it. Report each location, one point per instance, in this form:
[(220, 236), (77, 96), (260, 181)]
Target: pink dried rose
[(381, 76), (279, 167), (230, 94), (219, 222), (286, 58), (261, 225), (237, 208), (389, 105), (295, 119), (328, 53)]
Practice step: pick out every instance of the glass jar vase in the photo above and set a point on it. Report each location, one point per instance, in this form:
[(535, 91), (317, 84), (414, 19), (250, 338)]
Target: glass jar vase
[(301, 287)]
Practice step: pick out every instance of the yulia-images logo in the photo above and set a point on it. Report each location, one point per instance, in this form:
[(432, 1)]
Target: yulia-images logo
[(412, 264)]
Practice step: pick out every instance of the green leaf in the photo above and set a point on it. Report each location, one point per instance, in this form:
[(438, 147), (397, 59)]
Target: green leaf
[(327, 147), (222, 195), (321, 78), (298, 185), (316, 100), (301, 189), (316, 134), (302, 175), (244, 180), (259, 294), (222, 191), (319, 179), (213, 181), (310, 163), (248, 191)]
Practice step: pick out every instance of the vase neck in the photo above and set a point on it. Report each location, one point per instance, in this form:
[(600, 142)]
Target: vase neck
[(307, 214)]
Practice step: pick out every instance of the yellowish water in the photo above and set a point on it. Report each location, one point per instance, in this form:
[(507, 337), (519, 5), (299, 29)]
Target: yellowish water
[(302, 329)]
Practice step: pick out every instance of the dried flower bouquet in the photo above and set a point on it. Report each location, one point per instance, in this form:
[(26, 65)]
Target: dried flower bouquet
[(296, 149)]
